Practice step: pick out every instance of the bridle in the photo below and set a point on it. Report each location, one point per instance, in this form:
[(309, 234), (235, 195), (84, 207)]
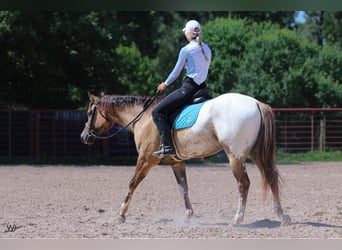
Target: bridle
[(91, 128)]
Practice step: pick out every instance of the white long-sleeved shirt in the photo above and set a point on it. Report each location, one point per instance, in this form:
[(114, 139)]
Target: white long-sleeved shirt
[(194, 61)]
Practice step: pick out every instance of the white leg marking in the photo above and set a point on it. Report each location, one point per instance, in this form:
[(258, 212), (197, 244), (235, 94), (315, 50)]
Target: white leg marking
[(240, 213), (285, 219)]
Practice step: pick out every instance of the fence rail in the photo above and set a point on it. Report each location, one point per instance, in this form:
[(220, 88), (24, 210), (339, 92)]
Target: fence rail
[(54, 134), (51, 134), (308, 129)]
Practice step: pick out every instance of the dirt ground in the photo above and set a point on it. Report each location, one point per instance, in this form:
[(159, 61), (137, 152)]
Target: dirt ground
[(83, 202)]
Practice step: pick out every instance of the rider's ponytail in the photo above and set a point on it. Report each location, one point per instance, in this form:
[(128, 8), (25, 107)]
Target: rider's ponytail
[(199, 41)]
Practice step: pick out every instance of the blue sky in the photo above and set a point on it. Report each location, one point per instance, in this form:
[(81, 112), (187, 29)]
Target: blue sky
[(301, 17)]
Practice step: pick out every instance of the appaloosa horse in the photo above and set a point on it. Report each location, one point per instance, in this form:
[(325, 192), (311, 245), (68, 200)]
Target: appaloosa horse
[(240, 125)]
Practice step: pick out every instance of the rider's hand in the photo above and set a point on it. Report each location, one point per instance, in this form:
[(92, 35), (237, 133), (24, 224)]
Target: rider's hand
[(161, 87)]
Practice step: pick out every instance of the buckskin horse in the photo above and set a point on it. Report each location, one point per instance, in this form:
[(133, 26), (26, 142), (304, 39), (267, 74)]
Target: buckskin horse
[(238, 124)]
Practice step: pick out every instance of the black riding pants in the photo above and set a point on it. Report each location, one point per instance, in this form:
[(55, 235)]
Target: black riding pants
[(174, 100)]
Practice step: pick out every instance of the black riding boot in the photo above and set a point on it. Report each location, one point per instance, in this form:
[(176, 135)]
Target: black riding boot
[(166, 144)]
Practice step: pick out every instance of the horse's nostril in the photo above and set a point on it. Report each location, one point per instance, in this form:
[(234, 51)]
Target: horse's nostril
[(87, 139), (90, 140)]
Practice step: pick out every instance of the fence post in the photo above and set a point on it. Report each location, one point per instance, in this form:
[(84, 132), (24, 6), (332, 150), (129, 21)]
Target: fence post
[(37, 139), (322, 134), (9, 133), (53, 135), (312, 130)]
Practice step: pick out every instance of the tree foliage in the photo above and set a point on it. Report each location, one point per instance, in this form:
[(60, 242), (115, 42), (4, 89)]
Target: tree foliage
[(274, 65), (51, 59), (227, 39)]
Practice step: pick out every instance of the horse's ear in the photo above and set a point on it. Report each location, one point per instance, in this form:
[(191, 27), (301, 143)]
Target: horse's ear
[(91, 96)]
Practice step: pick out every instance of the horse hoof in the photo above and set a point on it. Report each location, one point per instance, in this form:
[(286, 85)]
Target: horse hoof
[(121, 219), (286, 220), (188, 217), (189, 213), (237, 221)]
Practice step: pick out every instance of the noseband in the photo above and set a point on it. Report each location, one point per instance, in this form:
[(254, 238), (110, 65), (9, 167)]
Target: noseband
[(91, 127)]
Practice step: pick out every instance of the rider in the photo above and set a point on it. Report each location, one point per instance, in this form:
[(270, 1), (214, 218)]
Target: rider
[(196, 57)]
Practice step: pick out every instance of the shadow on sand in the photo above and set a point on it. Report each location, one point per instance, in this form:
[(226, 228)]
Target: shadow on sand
[(261, 224), (316, 224), (274, 224), (193, 221), (266, 223)]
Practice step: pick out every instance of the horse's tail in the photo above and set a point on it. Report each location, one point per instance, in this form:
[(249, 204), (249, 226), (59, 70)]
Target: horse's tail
[(263, 152)]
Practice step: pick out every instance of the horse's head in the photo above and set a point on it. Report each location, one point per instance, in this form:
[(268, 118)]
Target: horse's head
[(97, 123)]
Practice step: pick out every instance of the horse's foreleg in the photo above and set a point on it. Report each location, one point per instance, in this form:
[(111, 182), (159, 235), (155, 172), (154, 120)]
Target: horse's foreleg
[(240, 174), (142, 169), (180, 174), (138, 177)]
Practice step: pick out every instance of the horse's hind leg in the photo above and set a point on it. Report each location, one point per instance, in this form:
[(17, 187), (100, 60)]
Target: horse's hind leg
[(271, 179), (239, 171), (284, 218), (180, 174)]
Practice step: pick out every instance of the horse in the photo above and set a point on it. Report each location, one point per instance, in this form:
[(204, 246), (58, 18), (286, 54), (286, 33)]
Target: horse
[(238, 124)]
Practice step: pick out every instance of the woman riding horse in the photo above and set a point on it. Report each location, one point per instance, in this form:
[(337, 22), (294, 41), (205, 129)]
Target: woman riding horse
[(248, 129), (196, 57)]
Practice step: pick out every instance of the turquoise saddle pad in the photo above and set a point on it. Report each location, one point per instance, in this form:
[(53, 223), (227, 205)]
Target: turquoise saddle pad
[(187, 116)]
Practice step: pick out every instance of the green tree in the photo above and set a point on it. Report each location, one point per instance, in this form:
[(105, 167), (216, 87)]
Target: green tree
[(227, 39), (272, 64), (281, 18), (283, 71), (329, 77), (54, 56), (273, 58), (138, 73), (332, 28), (51, 59), (323, 27)]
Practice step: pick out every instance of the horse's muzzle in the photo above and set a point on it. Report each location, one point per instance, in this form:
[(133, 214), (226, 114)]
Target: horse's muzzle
[(87, 138)]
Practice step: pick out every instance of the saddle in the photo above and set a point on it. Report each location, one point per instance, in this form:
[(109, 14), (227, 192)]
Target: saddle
[(186, 116), (201, 96)]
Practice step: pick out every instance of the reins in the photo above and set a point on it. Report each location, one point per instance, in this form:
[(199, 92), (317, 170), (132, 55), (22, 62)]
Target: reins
[(146, 105)]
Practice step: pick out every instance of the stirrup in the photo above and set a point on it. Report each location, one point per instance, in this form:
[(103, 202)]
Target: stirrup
[(164, 151)]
